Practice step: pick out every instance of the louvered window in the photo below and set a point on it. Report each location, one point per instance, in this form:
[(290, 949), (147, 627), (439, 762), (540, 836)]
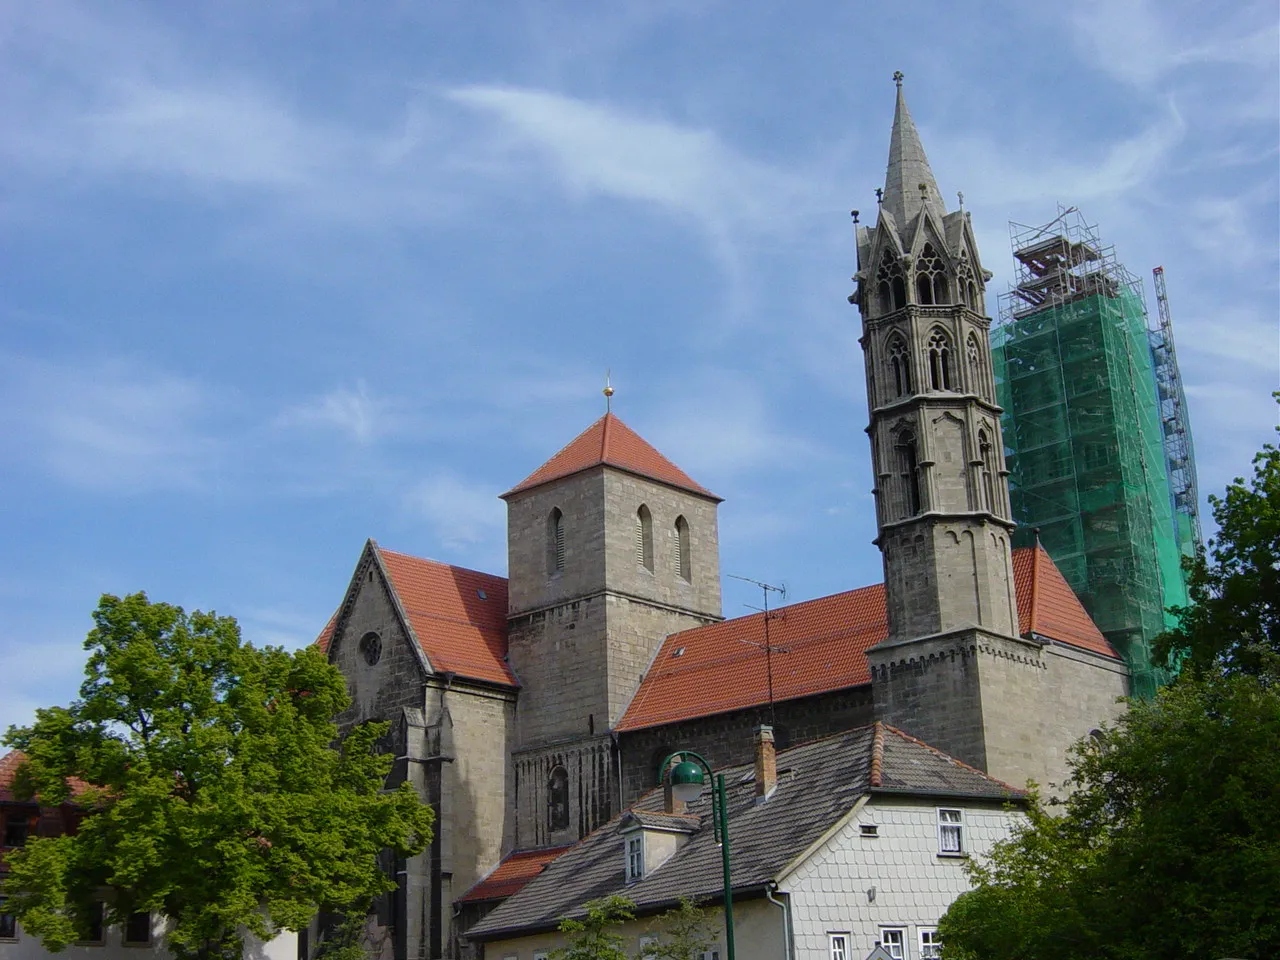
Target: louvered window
[(555, 542), (683, 566), (644, 538)]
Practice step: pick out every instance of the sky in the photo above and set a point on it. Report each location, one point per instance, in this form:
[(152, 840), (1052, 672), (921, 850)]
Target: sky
[(278, 278)]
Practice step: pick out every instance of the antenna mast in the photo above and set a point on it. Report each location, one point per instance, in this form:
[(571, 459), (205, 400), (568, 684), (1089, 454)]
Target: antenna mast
[(766, 589)]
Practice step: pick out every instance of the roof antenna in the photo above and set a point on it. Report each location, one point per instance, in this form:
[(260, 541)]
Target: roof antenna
[(608, 393), (766, 589)]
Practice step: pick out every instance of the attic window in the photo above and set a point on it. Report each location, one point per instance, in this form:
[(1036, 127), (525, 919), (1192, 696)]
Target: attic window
[(869, 829), (635, 857), (678, 652), (481, 594)]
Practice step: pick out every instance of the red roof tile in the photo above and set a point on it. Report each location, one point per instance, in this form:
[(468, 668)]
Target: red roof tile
[(9, 764), (512, 874), (459, 616), (1048, 606), (610, 441), (819, 645)]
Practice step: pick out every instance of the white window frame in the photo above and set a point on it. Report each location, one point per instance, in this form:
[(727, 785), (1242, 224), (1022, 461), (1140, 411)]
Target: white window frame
[(838, 946), (647, 941), (541, 954), (902, 942), (948, 827), (634, 851), (934, 945)]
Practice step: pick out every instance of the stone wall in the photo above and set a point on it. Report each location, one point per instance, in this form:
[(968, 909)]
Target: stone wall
[(589, 767), (727, 739)]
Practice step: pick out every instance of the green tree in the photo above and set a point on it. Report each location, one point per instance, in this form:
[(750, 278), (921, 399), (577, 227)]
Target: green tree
[(218, 797), (1168, 847), (684, 933), (596, 937), (1233, 621)]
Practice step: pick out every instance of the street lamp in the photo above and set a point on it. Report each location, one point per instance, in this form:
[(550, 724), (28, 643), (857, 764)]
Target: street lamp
[(686, 779)]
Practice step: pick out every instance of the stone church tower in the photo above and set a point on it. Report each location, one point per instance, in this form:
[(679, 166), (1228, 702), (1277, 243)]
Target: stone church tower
[(953, 667), (611, 547)]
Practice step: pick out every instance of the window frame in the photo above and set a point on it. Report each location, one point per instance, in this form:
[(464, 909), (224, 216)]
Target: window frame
[(934, 945), (902, 933), (20, 818), (948, 826), (101, 931), (129, 941), (11, 937), (844, 939), (633, 856)]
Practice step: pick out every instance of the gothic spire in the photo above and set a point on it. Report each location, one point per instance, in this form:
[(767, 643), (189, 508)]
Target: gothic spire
[(908, 168)]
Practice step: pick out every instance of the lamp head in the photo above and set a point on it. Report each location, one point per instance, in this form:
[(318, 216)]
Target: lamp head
[(686, 781)]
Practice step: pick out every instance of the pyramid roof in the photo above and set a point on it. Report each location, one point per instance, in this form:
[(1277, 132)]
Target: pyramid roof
[(611, 442)]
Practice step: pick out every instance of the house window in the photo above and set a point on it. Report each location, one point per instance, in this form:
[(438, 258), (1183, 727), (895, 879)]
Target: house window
[(17, 826), (950, 831), (635, 857), (683, 560), (558, 800), (137, 929), (8, 923), (839, 946), (713, 954), (540, 954), (644, 538), (894, 941), (930, 945), (646, 943), (91, 924), (555, 542)]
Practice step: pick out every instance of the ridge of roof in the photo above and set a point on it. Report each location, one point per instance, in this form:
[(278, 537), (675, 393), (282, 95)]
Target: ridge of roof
[(610, 442), (510, 874), (877, 755)]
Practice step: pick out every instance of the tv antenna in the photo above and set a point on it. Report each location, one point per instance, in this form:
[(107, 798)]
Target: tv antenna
[(769, 649)]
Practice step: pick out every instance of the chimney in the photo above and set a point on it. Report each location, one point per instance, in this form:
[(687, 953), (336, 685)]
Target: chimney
[(766, 762)]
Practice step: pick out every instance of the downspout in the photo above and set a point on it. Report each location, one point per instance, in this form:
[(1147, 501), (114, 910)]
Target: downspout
[(788, 939)]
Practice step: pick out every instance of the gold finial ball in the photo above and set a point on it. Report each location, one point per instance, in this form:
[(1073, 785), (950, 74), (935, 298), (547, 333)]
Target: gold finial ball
[(608, 390)]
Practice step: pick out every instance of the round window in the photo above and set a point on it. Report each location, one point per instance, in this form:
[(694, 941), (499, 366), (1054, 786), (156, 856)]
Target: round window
[(371, 648)]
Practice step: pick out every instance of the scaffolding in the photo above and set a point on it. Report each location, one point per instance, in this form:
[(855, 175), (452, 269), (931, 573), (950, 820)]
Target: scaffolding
[(1084, 433)]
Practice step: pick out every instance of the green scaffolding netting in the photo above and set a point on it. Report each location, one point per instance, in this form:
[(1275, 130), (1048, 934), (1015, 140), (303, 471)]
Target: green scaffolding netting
[(1084, 443)]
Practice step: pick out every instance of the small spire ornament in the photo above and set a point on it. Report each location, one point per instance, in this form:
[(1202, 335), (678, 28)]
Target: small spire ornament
[(608, 393), (897, 79)]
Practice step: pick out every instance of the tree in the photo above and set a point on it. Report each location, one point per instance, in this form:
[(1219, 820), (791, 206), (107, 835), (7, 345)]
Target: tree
[(1233, 621), (595, 937), (220, 795), (685, 934)]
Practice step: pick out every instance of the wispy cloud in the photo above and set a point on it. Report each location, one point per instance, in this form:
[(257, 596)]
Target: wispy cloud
[(459, 513), (348, 410)]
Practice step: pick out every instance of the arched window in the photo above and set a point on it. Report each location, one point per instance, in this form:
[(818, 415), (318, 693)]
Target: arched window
[(891, 289), (558, 800), (555, 542), (973, 354), (684, 568), (987, 454), (931, 278), (899, 365), (940, 361), (644, 538), (908, 472)]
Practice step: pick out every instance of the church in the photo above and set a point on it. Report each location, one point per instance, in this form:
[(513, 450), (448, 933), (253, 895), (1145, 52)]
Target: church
[(531, 710)]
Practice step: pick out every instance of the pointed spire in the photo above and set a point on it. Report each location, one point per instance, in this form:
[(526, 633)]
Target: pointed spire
[(908, 182)]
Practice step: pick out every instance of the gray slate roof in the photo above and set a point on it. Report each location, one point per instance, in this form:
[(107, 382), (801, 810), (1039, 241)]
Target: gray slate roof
[(818, 783)]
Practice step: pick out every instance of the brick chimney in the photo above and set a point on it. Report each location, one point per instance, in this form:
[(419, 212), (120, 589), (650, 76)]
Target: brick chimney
[(670, 803), (766, 762)]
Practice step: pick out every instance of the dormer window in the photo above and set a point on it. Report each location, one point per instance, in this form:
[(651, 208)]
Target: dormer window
[(635, 856)]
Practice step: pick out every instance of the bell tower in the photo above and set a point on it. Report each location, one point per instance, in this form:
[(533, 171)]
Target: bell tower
[(942, 502)]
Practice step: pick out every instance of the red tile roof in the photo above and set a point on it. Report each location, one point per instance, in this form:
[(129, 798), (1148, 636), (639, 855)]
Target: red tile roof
[(818, 646), (512, 874), (1048, 606), (610, 441), (459, 616), (9, 764)]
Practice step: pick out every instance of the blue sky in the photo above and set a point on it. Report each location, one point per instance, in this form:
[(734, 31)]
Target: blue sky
[(281, 277)]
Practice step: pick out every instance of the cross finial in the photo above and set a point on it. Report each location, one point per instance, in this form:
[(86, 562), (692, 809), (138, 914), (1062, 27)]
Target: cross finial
[(879, 195), (608, 393), (897, 78), (960, 195), (854, 214)]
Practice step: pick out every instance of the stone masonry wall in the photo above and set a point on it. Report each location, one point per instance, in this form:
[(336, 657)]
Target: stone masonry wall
[(581, 501), (728, 738)]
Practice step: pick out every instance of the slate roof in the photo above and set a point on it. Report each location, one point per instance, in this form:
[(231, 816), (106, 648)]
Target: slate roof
[(610, 441), (818, 783), (458, 616), (510, 876), (821, 645)]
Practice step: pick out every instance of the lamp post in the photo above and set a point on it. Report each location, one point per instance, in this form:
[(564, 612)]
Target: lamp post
[(687, 778)]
